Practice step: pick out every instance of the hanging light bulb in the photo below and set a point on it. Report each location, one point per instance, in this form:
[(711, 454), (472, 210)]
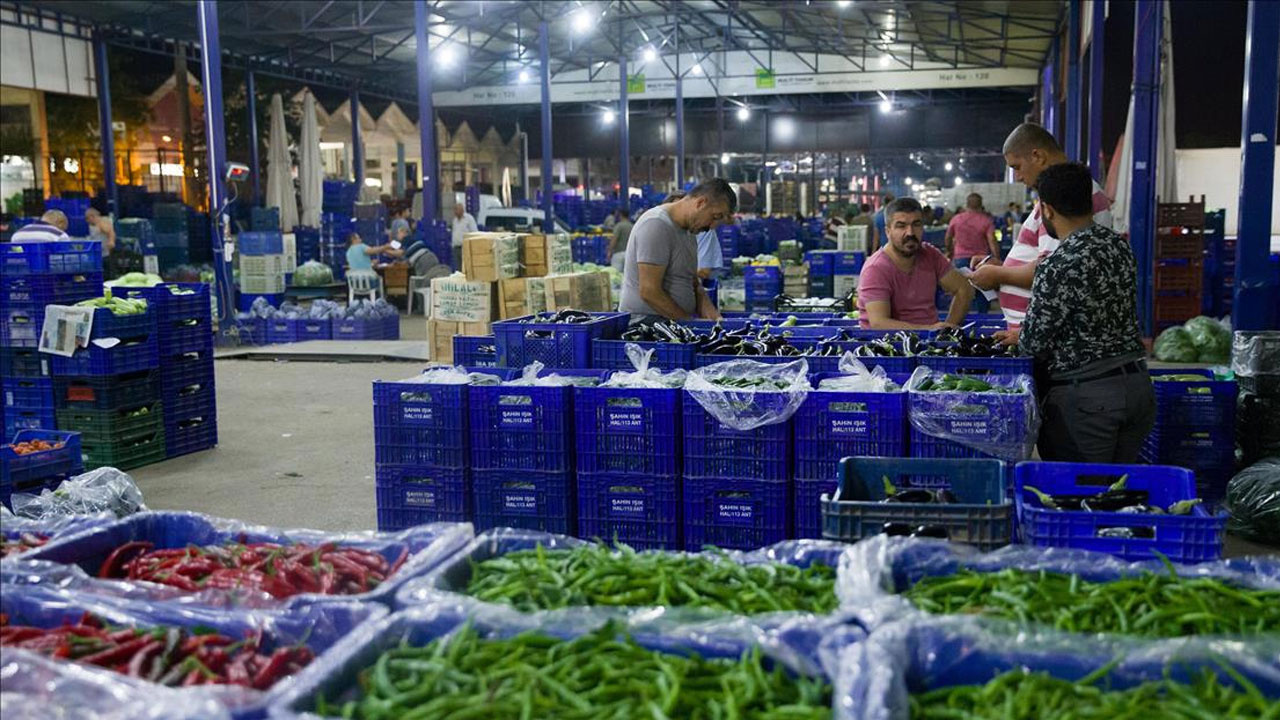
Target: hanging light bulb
[(743, 113)]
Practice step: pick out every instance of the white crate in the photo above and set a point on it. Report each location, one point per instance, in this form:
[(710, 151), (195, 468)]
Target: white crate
[(262, 265), (852, 238), (262, 284), (843, 284)]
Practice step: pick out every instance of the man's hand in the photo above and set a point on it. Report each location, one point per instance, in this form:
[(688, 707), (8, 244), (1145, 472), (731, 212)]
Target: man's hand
[(976, 261), (1008, 337), (986, 277), (941, 325)]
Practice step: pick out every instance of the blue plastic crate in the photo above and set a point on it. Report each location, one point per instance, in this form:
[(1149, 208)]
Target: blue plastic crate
[(23, 470), (628, 431), (106, 392), (181, 369), (1182, 538), (107, 324), (41, 290), (173, 303), (713, 450), (643, 512), (20, 327), (1209, 403), (253, 331), (847, 263), (421, 424), (409, 495), (189, 434), (131, 355), (700, 361), (993, 420), (281, 330), (58, 256), (244, 302), (982, 515), (313, 329), (191, 399), (612, 355), (523, 427), (529, 499), (261, 242), (978, 365), (555, 345), (736, 513), (391, 327), (25, 418), (357, 329), (475, 351), (186, 335), (23, 362), (820, 263), (28, 392)]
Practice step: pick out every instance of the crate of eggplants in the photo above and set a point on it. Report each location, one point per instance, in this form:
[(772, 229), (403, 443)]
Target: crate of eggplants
[(1117, 498), (953, 342), (561, 317), (916, 512), (747, 341), (661, 331)]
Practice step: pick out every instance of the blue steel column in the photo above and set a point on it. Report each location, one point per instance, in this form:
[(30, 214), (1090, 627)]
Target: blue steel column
[(1147, 26), (104, 120), (1254, 306), (544, 64), (400, 171), (586, 178), (679, 131), (1097, 52), (426, 117), (357, 149), (624, 137), (215, 141), (1074, 101), (254, 167)]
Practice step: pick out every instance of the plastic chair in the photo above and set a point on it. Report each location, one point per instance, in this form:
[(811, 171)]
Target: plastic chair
[(364, 283), (420, 286)]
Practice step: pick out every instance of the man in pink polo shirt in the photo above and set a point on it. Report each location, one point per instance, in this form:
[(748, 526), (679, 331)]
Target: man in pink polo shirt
[(1028, 150), (898, 283)]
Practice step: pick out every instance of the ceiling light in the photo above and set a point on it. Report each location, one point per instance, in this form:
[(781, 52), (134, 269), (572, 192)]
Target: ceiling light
[(447, 55), (724, 158), (908, 181), (166, 138), (959, 180), (524, 76), (743, 114), (609, 117), (947, 167), (886, 106), (696, 69), (650, 54), (843, 3), (582, 20), (884, 61)]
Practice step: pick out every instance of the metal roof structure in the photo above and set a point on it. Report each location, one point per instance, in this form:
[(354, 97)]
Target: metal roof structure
[(494, 42)]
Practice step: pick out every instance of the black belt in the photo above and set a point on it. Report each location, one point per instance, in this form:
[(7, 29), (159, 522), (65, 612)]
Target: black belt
[(1133, 366)]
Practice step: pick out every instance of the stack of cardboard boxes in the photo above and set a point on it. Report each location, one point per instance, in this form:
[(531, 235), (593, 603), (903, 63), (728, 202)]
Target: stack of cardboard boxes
[(508, 275)]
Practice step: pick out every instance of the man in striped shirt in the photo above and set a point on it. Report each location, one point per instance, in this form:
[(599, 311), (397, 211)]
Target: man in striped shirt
[(1028, 150), (52, 226)]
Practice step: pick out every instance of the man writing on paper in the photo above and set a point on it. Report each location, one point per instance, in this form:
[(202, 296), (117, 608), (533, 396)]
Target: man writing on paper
[(661, 274), (971, 242), (898, 283), (1028, 150)]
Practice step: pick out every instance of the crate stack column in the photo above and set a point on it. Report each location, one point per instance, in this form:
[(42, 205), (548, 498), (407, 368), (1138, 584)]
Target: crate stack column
[(1194, 429), (111, 395), (172, 235), (185, 332), (35, 275), (1179, 263), (262, 267)]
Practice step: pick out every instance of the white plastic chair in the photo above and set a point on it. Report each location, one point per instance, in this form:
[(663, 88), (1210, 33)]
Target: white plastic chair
[(364, 283), (420, 286)]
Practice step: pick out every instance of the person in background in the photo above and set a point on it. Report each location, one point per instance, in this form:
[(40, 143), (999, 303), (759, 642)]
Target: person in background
[(400, 226), (831, 232), (1013, 215), (897, 287), (661, 273), (52, 226), (101, 229), (878, 236), (611, 219), (1029, 150), (710, 256), (971, 241), (618, 241), (799, 217), (1082, 329), (927, 212), (360, 256), (462, 224)]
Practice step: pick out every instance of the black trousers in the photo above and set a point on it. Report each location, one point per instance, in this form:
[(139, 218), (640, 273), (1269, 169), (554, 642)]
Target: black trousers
[(1097, 421)]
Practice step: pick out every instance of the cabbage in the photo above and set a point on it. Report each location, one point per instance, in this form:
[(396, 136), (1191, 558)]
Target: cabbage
[(1174, 345), (311, 274), (1212, 339)]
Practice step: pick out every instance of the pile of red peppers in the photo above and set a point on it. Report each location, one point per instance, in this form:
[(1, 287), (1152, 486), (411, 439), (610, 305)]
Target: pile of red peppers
[(165, 655), (26, 541), (279, 570)]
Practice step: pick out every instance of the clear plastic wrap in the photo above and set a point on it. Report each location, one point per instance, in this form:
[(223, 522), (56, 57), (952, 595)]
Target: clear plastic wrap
[(33, 687), (335, 674), (73, 562), (104, 489), (1253, 502), (875, 570), (531, 376), (747, 408), (1255, 353), (855, 377), (13, 528), (318, 626), (645, 376), (1004, 425), (312, 273), (876, 677)]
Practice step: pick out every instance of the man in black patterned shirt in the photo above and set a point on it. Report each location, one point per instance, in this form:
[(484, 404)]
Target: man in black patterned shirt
[(1082, 328)]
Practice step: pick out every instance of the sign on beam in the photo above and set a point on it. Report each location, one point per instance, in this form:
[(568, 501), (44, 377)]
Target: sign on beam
[(765, 79)]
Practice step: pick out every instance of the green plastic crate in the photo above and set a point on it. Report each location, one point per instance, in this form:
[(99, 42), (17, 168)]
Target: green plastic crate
[(112, 425), (141, 447)]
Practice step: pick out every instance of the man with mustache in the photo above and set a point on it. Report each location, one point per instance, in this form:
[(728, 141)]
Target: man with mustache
[(897, 286)]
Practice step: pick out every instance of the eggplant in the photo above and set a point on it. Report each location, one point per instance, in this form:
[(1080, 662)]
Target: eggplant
[(1127, 533), (1141, 510), (910, 496), (1113, 500), (931, 531), (896, 529)]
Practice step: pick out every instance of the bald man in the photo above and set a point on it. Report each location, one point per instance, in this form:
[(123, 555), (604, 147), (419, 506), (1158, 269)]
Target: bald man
[(52, 226), (1028, 150)]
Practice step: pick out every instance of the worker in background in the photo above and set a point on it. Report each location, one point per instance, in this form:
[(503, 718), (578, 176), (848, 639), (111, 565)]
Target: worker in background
[(462, 224), (878, 225), (52, 226), (660, 278), (1013, 215), (898, 284), (831, 232), (1029, 150), (710, 256), (1082, 328), (971, 241), (400, 227), (618, 241), (360, 256), (101, 229)]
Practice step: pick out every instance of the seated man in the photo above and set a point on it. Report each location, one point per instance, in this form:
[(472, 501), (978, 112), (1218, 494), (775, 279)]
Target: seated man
[(897, 287), (52, 226), (360, 256)]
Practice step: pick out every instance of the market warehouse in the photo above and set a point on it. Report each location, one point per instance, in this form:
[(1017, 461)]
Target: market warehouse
[(549, 474)]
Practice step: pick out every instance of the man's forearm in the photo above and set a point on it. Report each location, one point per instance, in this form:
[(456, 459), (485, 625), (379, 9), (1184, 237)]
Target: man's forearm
[(995, 249), (960, 304), (1020, 276), (662, 303)]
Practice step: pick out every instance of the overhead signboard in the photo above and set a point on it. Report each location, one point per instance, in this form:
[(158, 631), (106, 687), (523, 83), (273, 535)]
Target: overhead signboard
[(765, 79)]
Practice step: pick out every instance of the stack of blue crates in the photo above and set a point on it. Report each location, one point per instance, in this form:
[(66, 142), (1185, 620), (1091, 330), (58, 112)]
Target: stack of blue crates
[(422, 451), (35, 275), (171, 223), (591, 249), (821, 272), (371, 222), (729, 235), (334, 228), (339, 196), (266, 279), (264, 218), (36, 471), (763, 283), (1195, 429), (439, 240), (138, 234), (306, 244), (569, 209), (185, 332)]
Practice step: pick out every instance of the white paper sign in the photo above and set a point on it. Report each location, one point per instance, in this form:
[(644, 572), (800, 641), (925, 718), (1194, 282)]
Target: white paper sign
[(65, 329)]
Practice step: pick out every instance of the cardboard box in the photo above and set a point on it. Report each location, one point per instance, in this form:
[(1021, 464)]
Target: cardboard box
[(546, 255), (588, 291), (457, 300), (521, 296), (488, 257), (842, 284), (440, 337)]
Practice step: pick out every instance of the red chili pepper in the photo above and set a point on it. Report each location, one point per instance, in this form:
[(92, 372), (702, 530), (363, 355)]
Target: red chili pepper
[(148, 651), (114, 655), (114, 564), (271, 671)]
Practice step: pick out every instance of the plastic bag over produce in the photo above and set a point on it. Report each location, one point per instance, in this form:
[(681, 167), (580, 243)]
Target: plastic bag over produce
[(1174, 345), (746, 394), (1255, 353), (529, 376), (1253, 501), (313, 273), (857, 378), (1211, 338), (645, 376), (455, 375), (105, 489), (994, 414)]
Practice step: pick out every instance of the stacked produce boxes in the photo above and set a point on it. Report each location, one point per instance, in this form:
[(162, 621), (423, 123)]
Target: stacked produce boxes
[(172, 233), (1255, 359), (1195, 417), (264, 218), (339, 196), (334, 228), (591, 249), (1179, 262), (821, 272), (36, 275), (109, 392), (845, 269), (185, 332), (763, 283), (262, 267)]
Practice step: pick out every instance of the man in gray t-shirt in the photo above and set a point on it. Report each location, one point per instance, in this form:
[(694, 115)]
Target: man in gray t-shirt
[(661, 272)]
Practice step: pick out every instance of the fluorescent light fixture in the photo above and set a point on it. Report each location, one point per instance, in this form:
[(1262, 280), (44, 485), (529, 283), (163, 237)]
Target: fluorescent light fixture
[(843, 3), (167, 169), (724, 158), (524, 76), (947, 167), (909, 181), (609, 117), (771, 163), (650, 54), (373, 182), (884, 61), (743, 114), (332, 145), (582, 20), (447, 55), (959, 180), (886, 106)]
